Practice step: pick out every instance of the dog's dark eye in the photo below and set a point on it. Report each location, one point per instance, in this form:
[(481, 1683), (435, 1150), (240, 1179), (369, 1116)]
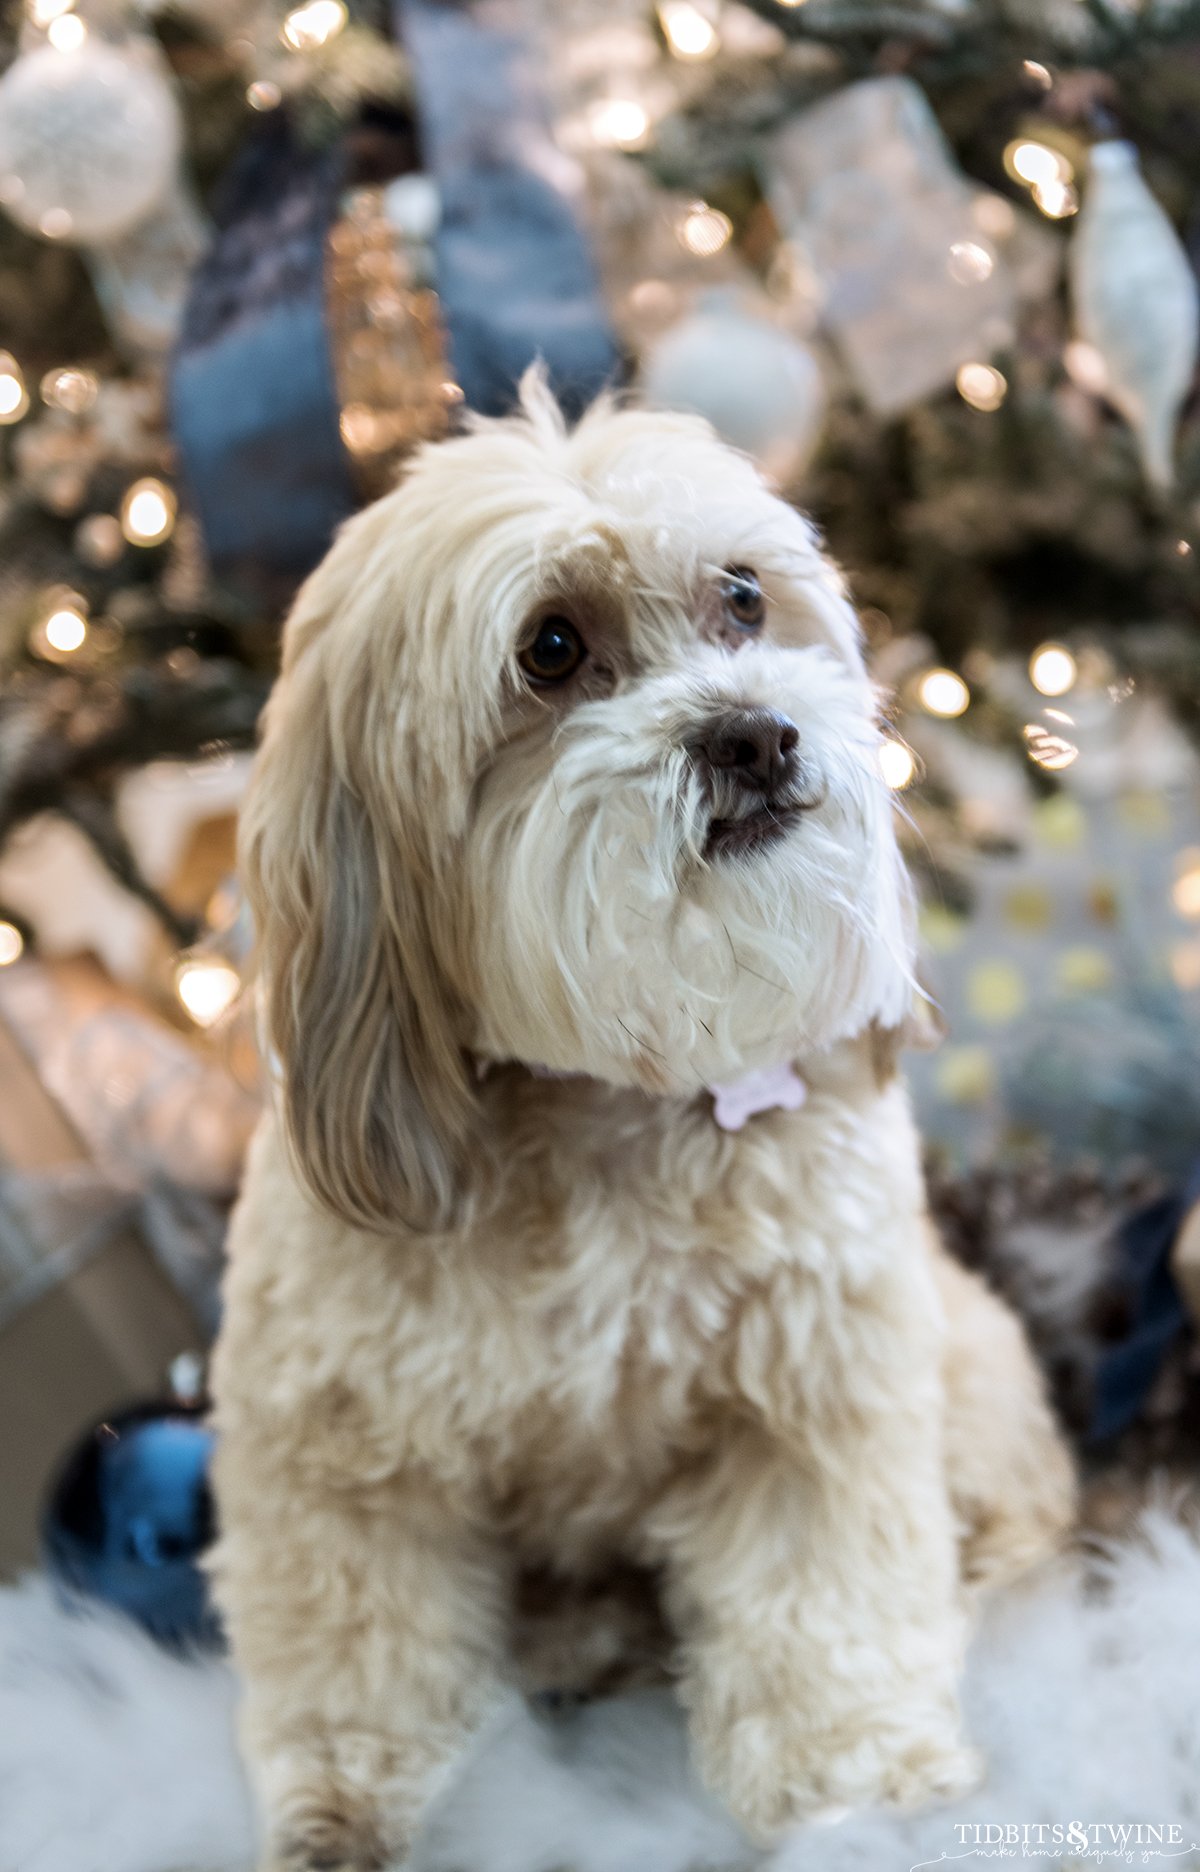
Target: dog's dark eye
[(555, 653), (744, 600)]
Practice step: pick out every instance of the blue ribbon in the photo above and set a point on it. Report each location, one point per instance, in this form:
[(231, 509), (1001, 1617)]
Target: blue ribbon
[(254, 402), (514, 276)]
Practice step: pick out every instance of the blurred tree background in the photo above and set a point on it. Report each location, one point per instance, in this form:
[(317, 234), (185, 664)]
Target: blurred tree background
[(931, 261)]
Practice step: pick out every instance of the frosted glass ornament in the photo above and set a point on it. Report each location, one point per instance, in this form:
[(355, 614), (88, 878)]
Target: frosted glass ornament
[(759, 387), (1135, 301), (868, 190), (89, 141)]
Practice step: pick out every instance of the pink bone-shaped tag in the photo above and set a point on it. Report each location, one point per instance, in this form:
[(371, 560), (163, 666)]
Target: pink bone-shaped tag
[(775, 1088)]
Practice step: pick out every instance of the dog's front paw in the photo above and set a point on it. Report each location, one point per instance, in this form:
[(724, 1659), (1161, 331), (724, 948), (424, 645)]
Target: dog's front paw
[(330, 1840), (775, 1774)]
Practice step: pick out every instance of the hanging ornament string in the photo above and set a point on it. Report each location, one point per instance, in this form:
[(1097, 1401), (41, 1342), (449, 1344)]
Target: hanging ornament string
[(1134, 297)]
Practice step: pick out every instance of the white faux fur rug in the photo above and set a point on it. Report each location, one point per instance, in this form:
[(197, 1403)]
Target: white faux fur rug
[(115, 1757)]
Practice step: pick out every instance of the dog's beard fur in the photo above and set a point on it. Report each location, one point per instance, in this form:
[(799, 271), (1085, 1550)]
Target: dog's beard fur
[(615, 946)]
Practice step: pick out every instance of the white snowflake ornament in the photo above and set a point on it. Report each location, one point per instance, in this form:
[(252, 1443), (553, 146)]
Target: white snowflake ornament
[(1135, 301)]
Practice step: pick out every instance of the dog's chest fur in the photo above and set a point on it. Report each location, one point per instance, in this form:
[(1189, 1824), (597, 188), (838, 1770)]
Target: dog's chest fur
[(636, 1275)]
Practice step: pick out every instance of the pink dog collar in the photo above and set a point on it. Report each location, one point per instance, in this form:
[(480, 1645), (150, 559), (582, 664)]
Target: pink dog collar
[(775, 1088)]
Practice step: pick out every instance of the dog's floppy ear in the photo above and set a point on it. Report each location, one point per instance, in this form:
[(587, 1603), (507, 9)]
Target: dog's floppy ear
[(375, 1092)]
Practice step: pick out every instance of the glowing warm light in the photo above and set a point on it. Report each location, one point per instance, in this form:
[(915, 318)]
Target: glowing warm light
[(981, 385), (207, 989), (41, 12), (704, 230), (67, 33), (1185, 965), (790, 4), (1036, 163), (1185, 893), (1050, 751), (363, 429), (619, 122), (896, 764), (687, 32), (969, 263), (1183, 549), (994, 215), (67, 388), (11, 944), (1056, 199), (1052, 669), (1033, 68), (14, 398), (264, 95), (147, 513), (942, 692), (308, 27), (1085, 366), (65, 629)]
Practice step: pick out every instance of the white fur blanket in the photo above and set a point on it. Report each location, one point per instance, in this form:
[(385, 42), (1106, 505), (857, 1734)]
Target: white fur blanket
[(115, 1757)]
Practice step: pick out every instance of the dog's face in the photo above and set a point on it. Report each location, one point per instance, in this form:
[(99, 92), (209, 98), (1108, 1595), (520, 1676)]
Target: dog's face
[(573, 762)]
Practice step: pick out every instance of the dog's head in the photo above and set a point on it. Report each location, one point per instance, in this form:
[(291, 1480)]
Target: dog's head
[(573, 761)]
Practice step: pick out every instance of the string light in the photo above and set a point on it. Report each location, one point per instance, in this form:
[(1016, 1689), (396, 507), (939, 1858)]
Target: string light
[(1033, 68), (147, 512), (687, 32), (994, 215), (1056, 199), (969, 263), (65, 629), (99, 540), (897, 764), (67, 33), (943, 692), (306, 28), (12, 944), (1085, 366), (1036, 164), (206, 989), (67, 388), (14, 398), (1050, 751), (981, 385), (1052, 669), (264, 95), (41, 12), (1185, 893), (704, 230), (620, 123)]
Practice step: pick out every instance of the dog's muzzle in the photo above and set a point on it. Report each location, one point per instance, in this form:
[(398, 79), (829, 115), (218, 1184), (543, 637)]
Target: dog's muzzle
[(757, 781)]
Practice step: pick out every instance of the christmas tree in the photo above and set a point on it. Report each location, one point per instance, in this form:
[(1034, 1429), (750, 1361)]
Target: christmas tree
[(927, 260)]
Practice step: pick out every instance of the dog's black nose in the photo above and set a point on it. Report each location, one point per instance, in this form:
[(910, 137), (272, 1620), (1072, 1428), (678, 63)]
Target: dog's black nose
[(756, 746)]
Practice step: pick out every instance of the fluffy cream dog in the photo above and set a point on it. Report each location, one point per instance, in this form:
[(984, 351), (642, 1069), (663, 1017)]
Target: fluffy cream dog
[(568, 811)]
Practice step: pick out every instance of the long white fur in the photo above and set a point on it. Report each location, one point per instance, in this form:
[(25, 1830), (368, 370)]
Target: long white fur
[(117, 1758)]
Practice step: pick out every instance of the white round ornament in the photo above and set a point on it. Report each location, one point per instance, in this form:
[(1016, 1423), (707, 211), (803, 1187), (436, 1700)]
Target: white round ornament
[(1135, 300), (89, 142), (759, 387)]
